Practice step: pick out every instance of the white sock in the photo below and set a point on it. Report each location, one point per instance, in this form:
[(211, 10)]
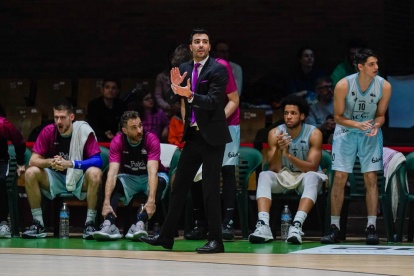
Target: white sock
[(372, 220), (91, 215), (37, 214), (264, 216), (300, 217), (335, 220)]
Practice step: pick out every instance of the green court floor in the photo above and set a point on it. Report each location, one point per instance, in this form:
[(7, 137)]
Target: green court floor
[(180, 245)]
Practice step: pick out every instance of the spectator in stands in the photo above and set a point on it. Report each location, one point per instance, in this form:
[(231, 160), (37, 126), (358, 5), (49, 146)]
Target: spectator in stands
[(135, 155), (176, 129), (61, 164), (321, 112), (153, 119), (8, 133), (303, 79), (162, 85), (181, 54), (221, 50), (104, 112), (295, 151), (348, 66)]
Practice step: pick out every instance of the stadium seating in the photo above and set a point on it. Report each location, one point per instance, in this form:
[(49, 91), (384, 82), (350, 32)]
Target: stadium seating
[(406, 200)]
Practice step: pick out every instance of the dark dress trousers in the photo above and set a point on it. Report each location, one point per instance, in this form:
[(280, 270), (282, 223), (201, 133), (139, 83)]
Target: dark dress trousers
[(203, 145)]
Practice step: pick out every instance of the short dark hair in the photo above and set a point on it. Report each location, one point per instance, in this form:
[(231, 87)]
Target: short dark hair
[(128, 115), (301, 50), (300, 102), (198, 31), (322, 79), (63, 105), (362, 55), (111, 80), (219, 42), (181, 54)]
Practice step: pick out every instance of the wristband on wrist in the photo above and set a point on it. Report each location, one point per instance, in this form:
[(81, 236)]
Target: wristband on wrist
[(192, 96)]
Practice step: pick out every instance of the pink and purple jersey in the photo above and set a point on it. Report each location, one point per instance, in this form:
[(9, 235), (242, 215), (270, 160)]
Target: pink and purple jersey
[(9, 133), (134, 158), (234, 118), (51, 143)]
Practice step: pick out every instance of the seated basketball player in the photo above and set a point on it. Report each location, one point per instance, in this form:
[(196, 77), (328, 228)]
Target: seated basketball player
[(66, 158), (8, 133), (293, 159), (134, 167)]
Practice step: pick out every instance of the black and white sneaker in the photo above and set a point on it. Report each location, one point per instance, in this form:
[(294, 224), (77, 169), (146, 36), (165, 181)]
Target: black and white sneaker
[(227, 231), (89, 229), (36, 231), (372, 237), (295, 233), (332, 236), (262, 233), (198, 233)]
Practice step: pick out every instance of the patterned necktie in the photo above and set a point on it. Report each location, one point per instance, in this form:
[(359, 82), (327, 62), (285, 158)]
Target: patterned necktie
[(193, 86)]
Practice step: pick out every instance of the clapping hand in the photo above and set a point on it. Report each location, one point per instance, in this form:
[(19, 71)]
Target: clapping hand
[(363, 126), (283, 141), (176, 78)]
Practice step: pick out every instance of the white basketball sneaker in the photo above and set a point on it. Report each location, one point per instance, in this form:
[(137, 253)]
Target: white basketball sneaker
[(295, 234), (136, 231), (261, 234)]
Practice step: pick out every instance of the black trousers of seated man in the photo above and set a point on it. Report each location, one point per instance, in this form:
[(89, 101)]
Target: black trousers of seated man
[(119, 192), (4, 203), (197, 151), (229, 197)]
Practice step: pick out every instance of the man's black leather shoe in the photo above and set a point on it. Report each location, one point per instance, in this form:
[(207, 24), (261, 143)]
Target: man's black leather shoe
[(159, 241), (211, 247)]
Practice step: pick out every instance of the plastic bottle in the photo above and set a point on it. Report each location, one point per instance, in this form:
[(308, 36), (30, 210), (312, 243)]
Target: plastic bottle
[(286, 223), (146, 223), (64, 222)]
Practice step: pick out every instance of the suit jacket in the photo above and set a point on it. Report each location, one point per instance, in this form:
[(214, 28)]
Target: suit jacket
[(208, 102)]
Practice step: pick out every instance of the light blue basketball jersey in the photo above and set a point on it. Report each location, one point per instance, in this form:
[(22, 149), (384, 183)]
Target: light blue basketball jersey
[(299, 147), (360, 106)]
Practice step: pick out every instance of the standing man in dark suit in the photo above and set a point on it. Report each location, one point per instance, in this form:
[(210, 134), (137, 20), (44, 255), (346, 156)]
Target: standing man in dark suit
[(202, 82)]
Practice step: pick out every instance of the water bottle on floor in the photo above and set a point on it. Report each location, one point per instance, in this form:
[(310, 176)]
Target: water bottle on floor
[(64, 222), (286, 223)]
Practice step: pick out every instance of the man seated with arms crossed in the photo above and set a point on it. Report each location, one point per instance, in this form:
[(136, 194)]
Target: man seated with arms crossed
[(53, 169), (136, 155), (295, 151)]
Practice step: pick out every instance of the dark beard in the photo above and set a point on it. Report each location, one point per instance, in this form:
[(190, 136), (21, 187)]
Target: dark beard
[(294, 126)]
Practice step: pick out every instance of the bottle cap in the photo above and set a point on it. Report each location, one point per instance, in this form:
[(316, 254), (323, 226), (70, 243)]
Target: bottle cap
[(286, 206)]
